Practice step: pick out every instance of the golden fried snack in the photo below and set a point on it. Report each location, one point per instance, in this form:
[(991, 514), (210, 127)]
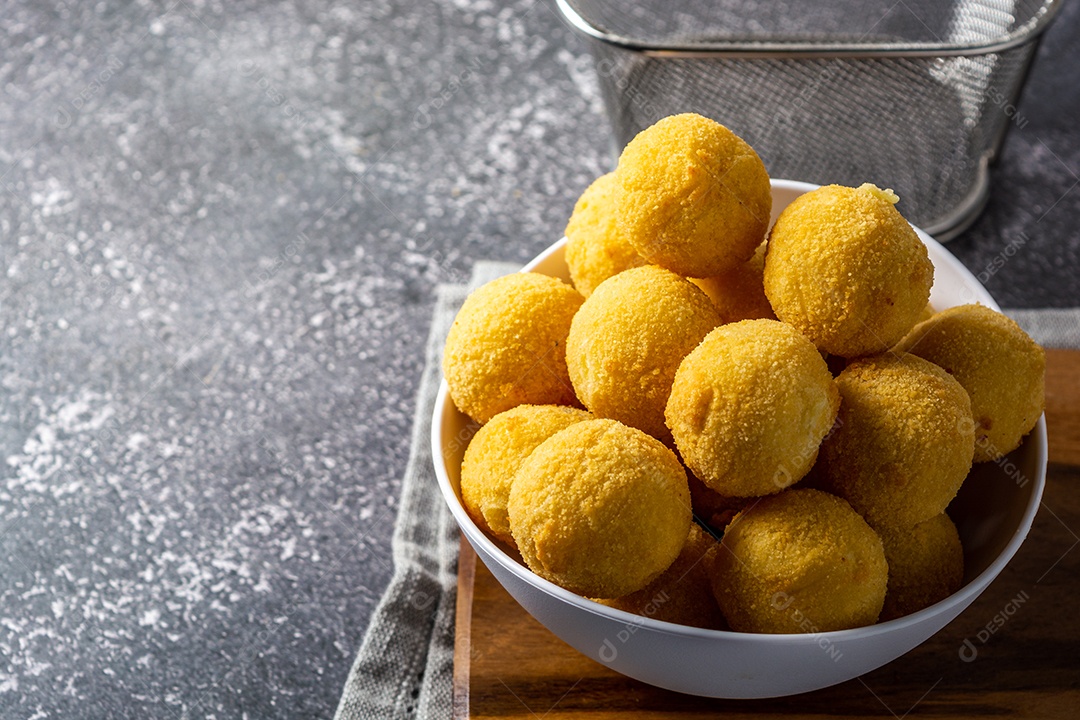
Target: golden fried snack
[(507, 346), (496, 452), (692, 196), (903, 440), (801, 561), (600, 509), (926, 564), (628, 339), (1002, 369), (594, 248), (927, 313), (836, 364), (682, 594), (712, 508), (749, 407), (739, 293), (845, 268)]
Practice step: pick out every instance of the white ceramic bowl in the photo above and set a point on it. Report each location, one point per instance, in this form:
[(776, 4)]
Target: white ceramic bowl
[(993, 513)]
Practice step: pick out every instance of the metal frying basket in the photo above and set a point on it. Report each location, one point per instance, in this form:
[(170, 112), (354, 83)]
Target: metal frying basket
[(915, 95)]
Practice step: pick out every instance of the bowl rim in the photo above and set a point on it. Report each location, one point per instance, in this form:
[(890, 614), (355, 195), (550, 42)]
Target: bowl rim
[(957, 600)]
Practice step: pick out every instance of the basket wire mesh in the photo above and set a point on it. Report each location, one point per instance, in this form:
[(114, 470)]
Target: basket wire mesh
[(920, 102)]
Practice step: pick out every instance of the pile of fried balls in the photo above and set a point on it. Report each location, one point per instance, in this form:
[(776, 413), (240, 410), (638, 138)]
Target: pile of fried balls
[(727, 426)]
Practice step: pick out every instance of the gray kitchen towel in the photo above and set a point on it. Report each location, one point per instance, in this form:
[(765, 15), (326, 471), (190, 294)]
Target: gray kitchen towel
[(406, 662), (1051, 328)]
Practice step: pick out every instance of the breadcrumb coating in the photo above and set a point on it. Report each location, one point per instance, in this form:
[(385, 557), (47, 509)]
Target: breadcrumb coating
[(628, 339), (749, 407), (1000, 366), (712, 508), (692, 196), (903, 441), (801, 561), (739, 293), (600, 508), (926, 565), (845, 268), (507, 346), (595, 250), (496, 452), (682, 594)]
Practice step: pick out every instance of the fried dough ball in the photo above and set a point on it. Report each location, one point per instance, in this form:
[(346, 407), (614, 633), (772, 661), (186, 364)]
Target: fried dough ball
[(712, 508), (594, 248), (749, 407), (692, 196), (496, 452), (600, 509), (926, 564), (903, 440), (628, 339), (800, 561), (845, 268), (682, 594), (1002, 369), (739, 293), (507, 346)]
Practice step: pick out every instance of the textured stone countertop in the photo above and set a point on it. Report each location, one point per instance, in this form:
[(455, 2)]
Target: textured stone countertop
[(221, 225)]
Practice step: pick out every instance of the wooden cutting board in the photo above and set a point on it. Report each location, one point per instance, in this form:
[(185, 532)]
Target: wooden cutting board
[(507, 665)]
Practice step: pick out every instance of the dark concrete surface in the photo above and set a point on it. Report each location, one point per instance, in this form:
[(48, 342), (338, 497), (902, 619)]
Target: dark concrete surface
[(221, 224)]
